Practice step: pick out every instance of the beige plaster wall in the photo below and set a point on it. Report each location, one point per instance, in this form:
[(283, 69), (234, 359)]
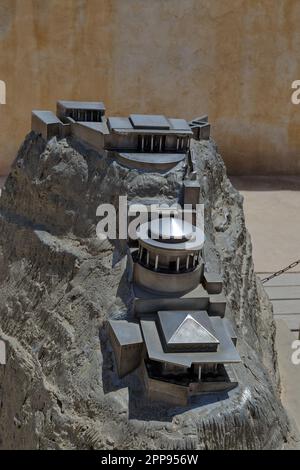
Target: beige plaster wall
[(232, 59)]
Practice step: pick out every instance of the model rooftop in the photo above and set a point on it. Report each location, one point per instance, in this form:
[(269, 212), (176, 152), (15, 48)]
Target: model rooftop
[(87, 105), (147, 142), (148, 123), (47, 116), (186, 330), (225, 353)]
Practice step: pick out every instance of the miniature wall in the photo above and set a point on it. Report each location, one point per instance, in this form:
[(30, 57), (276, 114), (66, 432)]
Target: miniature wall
[(232, 59)]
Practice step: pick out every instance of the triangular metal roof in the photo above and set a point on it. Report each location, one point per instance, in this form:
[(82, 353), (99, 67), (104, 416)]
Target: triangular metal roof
[(185, 330), (192, 332)]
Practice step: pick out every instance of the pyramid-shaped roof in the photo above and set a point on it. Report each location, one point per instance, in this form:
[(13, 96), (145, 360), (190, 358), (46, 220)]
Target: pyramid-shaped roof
[(187, 330), (191, 331)]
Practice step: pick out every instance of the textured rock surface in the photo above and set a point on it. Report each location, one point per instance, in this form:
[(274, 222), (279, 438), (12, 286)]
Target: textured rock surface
[(59, 283)]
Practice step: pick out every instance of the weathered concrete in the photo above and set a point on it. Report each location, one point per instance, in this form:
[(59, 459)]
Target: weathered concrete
[(272, 215), (290, 373), (274, 202), (59, 284), (284, 293), (232, 59)]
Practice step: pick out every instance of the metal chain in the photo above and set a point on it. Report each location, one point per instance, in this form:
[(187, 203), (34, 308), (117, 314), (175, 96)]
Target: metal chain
[(281, 271)]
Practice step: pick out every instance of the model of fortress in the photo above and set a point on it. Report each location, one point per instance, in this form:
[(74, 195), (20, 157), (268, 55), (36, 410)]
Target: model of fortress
[(179, 340), (137, 141)]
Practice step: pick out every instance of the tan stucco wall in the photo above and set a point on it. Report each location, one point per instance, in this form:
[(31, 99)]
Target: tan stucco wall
[(232, 59)]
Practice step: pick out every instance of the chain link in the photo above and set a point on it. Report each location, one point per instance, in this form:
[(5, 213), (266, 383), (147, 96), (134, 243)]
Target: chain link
[(281, 271)]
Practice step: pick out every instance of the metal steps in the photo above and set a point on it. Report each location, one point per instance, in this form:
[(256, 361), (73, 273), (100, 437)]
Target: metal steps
[(284, 293)]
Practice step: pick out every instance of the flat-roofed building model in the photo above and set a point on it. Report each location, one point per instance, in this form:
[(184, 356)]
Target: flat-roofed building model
[(149, 142), (179, 340), (189, 345), (90, 111)]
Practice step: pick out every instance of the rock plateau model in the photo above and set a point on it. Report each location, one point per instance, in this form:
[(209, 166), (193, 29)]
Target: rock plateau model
[(59, 284)]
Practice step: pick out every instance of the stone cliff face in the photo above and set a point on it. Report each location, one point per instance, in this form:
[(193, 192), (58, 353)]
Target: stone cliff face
[(59, 283)]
